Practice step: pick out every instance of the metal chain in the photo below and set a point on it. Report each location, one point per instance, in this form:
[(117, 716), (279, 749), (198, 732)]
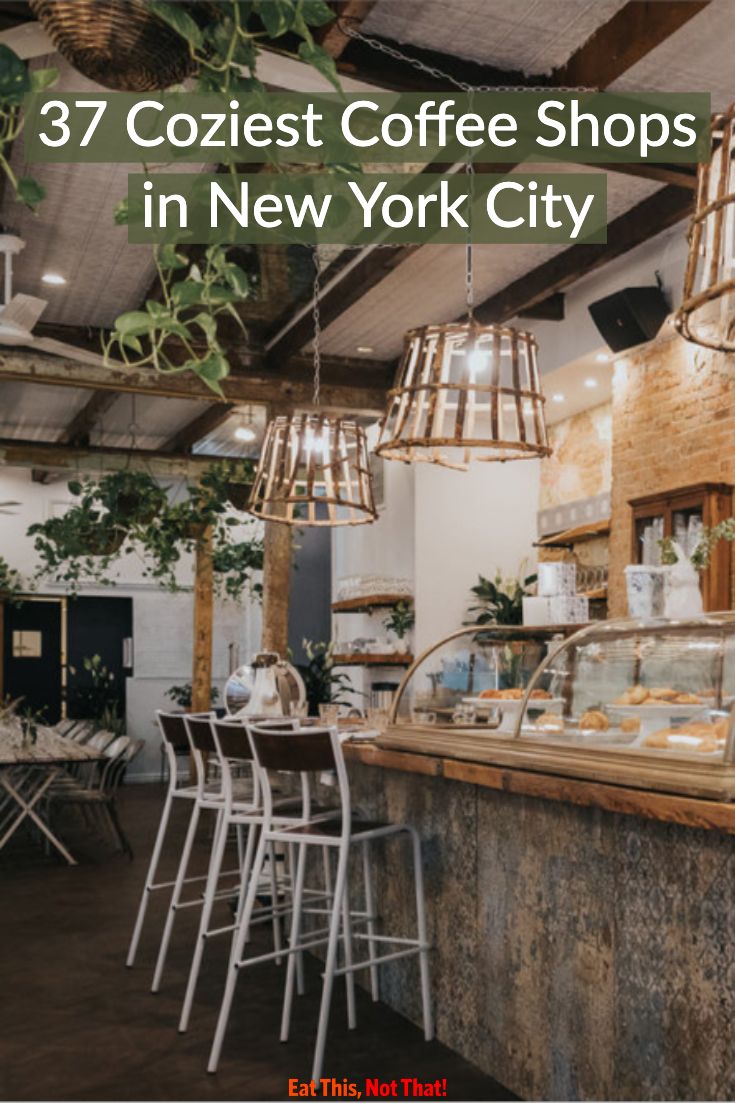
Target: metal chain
[(431, 71), (317, 327)]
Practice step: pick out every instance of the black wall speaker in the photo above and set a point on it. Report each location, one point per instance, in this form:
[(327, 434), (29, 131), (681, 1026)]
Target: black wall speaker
[(630, 317)]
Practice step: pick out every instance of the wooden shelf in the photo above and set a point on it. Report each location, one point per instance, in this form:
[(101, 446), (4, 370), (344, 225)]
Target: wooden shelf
[(366, 604), (598, 594), (372, 660), (576, 535)]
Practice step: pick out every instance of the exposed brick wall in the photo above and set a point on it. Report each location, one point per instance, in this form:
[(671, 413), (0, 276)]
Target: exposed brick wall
[(579, 466), (673, 424)]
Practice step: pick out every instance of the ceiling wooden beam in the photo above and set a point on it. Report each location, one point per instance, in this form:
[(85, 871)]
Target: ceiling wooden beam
[(550, 309), (340, 391), (628, 36), (56, 457), (199, 427), (656, 213), (633, 32), (350, 13), (684, 176), (79, 428)]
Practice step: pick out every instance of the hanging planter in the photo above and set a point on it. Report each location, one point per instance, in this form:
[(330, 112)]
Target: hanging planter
[(119, 44), (707, 312), (465, 391), (238, 495)]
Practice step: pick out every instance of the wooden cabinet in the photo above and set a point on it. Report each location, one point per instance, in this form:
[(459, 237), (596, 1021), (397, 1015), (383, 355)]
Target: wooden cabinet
[(679, 513)]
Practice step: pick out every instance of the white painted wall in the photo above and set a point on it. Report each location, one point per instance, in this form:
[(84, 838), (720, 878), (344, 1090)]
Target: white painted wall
[(468, 523), (162, 622)]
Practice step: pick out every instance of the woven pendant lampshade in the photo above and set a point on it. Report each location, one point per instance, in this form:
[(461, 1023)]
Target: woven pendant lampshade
[(314, 470), (707, 312), (465, 391), (119, 44)]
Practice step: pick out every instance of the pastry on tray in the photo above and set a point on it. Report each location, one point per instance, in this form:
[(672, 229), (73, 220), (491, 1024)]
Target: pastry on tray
[(657, 695), (550, 722), (706, 738), (631, 725), (539, 695), (594, 720), (502, 694)]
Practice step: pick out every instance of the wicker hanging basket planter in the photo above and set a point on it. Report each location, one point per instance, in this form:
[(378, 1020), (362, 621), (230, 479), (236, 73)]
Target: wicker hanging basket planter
[(707, 312), (465, 391), (314, 470), (119, 44)]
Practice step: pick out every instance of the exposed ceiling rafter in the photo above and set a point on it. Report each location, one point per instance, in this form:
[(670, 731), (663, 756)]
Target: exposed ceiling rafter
[(628, 36)]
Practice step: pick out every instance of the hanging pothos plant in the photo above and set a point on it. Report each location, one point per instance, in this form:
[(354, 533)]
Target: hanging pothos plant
[(128, 512), (193, 296), (11, 583), (16, 79)]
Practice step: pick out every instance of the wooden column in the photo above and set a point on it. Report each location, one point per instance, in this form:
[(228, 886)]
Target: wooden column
[(201, 678), (276, 586)]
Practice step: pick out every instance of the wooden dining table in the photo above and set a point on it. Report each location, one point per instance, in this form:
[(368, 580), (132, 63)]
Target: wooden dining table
[(27, 771)]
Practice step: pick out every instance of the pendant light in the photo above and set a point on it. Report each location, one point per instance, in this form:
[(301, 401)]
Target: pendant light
[(465, 391), (707, 312), (314, 468)]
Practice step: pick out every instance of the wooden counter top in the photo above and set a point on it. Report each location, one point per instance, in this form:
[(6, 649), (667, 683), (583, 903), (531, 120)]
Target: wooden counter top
[(668, 807)]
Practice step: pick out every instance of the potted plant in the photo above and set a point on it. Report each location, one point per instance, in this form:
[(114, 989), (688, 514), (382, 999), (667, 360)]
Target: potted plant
[(11, 583), (399, 623), (132, 497), (323, 685), (500, 600)]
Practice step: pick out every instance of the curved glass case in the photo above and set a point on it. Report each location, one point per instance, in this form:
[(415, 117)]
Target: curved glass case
[(643, 703), (476, 680)]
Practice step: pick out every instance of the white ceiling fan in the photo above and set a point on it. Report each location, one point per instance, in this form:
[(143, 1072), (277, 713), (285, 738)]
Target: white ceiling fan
[(20, 313)]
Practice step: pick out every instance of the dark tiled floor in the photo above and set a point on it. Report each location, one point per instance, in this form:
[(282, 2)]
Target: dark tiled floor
[(76, 1025)]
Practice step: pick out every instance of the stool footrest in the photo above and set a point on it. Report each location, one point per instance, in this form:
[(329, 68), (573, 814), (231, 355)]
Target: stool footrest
[(417, 948)]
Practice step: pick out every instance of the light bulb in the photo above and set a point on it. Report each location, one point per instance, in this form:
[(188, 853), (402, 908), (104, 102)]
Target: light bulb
[(477, 363), (245, 433)]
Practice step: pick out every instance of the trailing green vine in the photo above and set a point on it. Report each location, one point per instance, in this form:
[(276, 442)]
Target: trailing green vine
[(127, 513), (16, 80), (225, 50)]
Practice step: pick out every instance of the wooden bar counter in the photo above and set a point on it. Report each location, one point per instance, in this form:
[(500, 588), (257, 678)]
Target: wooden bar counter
[(583, 933)]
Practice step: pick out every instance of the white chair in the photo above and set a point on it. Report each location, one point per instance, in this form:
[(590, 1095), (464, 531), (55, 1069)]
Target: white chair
[(174, 735), (235, 757), (319, 749)]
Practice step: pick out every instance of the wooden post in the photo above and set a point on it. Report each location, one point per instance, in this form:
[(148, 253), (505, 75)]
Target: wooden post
[(201, 679), (276, 586)]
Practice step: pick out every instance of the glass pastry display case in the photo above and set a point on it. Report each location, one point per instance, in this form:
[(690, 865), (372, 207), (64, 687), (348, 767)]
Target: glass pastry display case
[(475, 680), (648, 704)]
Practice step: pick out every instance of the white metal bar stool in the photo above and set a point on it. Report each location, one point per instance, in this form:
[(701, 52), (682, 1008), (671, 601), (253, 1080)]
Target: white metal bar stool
[(174, 736), (234, 752), (318, 749)]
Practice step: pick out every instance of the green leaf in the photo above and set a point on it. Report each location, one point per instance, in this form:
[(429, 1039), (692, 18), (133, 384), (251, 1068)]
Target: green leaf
[(212, 369), (30, 191), (277, 16), (316, 13), (238, 279), (42, 78), (317, 57), (121, 213), (179, 20), (217, 293), (206, 323), (134, 323), (156, 310), (169, 258), (187, 292), (14, 78), (131, 342)]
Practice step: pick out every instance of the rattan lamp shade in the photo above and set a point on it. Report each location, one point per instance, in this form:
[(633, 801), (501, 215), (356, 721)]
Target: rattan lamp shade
[(119, 44), (707, 312), (465, 391), (314, 470)]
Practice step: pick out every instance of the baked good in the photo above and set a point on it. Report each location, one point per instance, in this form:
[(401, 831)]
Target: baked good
[(657, 695), (706, 738), (511, 694), (631, 725), (594, 720), (550, 721), (490, 694), (539, 695)]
